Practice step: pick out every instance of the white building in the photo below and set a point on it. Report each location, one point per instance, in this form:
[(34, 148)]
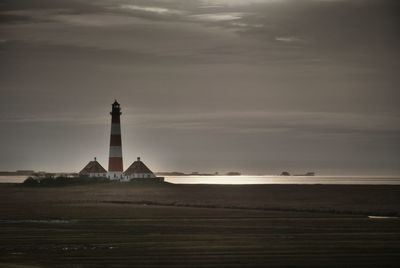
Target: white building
[(138, 170), (93, 169)]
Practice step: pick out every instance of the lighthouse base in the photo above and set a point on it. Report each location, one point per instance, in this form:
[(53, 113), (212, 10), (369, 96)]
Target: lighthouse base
[(115, 175)]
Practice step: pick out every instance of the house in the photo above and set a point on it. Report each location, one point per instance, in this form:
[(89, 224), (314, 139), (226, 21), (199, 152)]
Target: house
[(93, 169), (138, 170)]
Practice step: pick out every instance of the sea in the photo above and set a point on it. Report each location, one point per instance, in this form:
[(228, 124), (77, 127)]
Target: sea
[(262, 179)]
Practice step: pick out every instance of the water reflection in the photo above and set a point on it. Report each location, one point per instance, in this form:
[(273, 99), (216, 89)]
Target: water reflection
[(248, 179), (12, 179), (375, 180)]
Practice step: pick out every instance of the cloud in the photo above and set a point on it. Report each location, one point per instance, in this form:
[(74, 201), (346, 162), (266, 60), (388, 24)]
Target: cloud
[(33, 15), (238, 2), (68, 16), (318, 123), (151, 9), (251, 122), (215, 17), (70, 119), (246, 25), (95, 20), (287, 39)]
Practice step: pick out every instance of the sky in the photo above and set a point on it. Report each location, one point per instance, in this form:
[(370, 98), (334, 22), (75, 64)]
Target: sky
[(255, 86)]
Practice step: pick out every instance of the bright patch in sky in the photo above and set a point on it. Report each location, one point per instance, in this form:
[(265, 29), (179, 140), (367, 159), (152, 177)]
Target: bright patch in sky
[(159, 10), (287, 39), (218, 16), (237, 2)]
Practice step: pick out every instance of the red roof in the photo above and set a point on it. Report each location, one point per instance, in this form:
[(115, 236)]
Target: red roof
[(138, 167), (92, 167)]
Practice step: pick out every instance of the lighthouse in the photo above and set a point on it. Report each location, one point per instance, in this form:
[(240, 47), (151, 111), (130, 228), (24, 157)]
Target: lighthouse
[(115, 166)]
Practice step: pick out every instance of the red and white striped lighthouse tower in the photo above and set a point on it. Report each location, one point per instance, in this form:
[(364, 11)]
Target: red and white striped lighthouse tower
[(115, 166)]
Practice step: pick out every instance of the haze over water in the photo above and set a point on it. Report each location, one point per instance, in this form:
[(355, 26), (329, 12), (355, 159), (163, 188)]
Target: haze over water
[(273, 179), (262, 179)]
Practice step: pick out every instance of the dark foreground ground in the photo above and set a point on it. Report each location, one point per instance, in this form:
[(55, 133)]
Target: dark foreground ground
[(125, 225)]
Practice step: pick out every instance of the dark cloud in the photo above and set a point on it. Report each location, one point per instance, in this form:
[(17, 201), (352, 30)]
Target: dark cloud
[(253, 85)]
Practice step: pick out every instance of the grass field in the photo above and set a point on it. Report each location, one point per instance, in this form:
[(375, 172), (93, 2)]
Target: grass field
[(124, 225)]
